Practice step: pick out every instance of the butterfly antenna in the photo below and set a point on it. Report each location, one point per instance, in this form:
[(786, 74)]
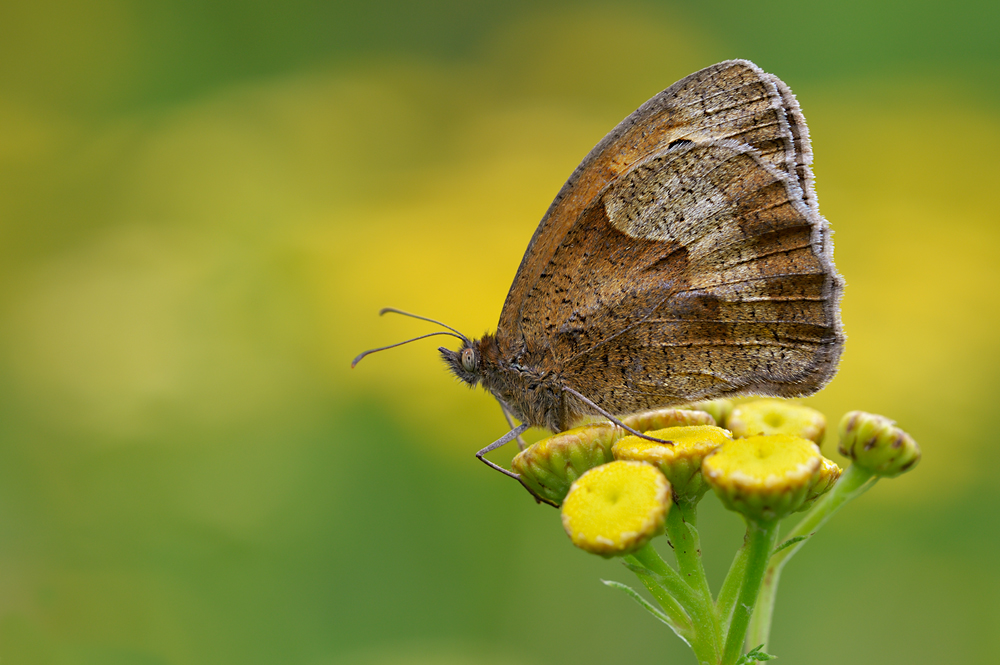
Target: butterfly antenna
[(383, 348), (422, 318)]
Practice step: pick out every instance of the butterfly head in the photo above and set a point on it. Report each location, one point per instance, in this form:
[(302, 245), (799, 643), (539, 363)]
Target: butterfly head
[(475, 361), (464, 363)]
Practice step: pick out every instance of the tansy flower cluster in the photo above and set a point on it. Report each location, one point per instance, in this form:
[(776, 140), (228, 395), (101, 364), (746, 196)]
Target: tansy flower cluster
[(762, 459)]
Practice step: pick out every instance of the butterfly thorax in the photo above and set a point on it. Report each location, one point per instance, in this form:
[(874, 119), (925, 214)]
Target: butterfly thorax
[(529, 390)]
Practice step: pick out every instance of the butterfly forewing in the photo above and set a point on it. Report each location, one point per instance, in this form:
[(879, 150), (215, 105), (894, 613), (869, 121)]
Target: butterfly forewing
[(731, 100)]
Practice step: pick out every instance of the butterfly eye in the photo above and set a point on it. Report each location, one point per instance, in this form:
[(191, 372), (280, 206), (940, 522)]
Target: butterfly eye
[(469, 360)]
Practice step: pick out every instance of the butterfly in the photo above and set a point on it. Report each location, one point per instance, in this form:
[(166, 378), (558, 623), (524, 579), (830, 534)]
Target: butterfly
[(685, 259)]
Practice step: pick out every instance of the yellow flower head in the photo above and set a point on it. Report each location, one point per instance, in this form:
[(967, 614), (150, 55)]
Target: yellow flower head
[(829, 474), (772, 416), (548, 467), (616, 508), (680, 461), (877, 445), (763, 477)]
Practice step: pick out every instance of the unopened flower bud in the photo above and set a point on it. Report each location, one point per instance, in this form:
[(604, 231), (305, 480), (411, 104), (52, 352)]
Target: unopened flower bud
[(763, 477), (663, 418), (874, 443), (548, 467), (616, 508), (719, 409), (772, 416), (680, 460)]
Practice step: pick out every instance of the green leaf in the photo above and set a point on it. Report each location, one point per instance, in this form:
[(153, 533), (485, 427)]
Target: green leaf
[(642, 601), (788, 543), (754, 655)]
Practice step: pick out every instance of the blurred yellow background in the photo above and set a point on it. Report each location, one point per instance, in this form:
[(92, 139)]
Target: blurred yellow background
[(203, 205)]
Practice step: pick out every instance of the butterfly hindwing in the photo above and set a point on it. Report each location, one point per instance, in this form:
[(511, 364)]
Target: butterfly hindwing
[(685, 258), (736, 300)]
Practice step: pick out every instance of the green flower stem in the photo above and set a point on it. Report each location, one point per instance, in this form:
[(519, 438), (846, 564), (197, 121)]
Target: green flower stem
[(731, 585), (668, 578), (698, 608), (760, 543), (760, 623), (683, 533), (660, 584), (853, 483)]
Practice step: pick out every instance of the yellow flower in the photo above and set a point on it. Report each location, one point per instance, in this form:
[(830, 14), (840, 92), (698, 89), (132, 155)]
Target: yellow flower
[(876, 445), (826, 478), (548, 468), (616, 508), (772, 416), (679, 462), (763, 477)]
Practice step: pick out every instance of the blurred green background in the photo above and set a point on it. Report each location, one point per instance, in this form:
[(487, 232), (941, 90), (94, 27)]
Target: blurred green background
[(204, 204)]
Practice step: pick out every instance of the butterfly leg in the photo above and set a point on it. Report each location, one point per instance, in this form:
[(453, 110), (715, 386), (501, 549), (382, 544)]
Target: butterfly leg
[(506, 438), (521, 445), (612, 418)]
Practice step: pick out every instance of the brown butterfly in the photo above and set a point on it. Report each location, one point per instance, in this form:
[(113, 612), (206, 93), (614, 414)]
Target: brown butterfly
[(685, 259)]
